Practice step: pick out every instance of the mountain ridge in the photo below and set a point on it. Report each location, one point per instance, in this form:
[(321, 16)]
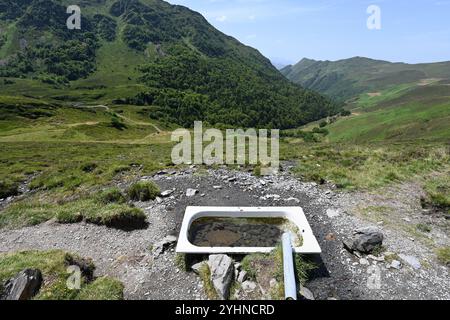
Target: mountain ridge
[(346, 78)]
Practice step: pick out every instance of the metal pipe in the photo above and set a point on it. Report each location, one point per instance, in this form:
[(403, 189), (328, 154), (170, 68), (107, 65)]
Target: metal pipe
[(290, 288)]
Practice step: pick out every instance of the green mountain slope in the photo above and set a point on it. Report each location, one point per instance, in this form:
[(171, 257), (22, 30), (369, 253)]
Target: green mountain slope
[(345, 79), (413, 113), (146, 52)]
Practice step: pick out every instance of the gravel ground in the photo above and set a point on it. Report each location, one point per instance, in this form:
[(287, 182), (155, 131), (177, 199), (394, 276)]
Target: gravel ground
[(333, 217)]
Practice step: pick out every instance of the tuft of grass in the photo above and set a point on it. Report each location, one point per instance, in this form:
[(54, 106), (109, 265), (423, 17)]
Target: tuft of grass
[(235, 287), (118, 216), (143, 191), (378, 250), (438, 192), (104, 288), (443, 255), (181, 261), (111, 195), (53, 265), (249, 263), (205, 275), (257, 171), (302, 265)]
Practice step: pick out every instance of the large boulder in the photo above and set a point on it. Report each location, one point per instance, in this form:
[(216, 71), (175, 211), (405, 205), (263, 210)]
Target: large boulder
[(24, 286), (367, 239), (222, 271)]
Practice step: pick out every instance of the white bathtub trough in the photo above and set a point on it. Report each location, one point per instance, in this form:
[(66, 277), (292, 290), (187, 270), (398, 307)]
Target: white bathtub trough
[(293, 214)]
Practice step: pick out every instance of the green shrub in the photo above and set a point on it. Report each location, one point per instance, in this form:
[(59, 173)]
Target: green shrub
[(323, 124), (143, 191)]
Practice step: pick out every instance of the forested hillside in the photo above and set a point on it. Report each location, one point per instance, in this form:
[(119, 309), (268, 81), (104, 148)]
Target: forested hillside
[(147, 52)]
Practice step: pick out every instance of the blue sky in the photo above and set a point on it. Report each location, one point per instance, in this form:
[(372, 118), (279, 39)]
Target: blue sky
[(412, 31)]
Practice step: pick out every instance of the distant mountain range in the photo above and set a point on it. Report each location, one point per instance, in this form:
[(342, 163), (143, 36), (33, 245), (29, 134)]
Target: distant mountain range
[(147, 52), (345, 79)]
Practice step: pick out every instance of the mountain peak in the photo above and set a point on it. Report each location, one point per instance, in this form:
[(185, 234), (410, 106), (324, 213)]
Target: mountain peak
[(305, 60)]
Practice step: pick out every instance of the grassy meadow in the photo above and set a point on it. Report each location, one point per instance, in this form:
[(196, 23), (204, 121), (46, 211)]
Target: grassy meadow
[(67, 154), (400, 134)]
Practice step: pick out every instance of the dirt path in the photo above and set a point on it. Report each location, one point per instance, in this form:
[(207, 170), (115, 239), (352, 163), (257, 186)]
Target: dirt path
[(141, 123), (128, 255)]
